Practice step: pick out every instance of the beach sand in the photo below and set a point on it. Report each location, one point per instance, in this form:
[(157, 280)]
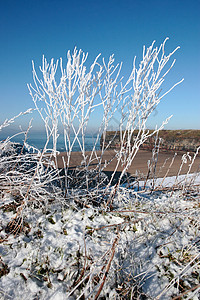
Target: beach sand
[(139, 163)]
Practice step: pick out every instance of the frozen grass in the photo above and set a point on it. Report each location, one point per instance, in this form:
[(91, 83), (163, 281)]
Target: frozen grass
[(146, 247), (65, 238)]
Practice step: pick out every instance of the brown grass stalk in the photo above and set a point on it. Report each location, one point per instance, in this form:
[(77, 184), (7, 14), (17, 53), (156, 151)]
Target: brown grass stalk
[(107, 267)]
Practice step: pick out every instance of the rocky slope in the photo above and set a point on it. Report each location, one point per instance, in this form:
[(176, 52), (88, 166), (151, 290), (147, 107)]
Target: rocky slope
[(171, 140)]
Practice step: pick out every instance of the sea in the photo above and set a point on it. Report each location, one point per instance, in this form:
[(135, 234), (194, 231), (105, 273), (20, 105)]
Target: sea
[(38, 141)]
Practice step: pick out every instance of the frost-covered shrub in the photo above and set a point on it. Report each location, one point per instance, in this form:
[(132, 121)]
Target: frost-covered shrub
[(67, 96), (59, 238)]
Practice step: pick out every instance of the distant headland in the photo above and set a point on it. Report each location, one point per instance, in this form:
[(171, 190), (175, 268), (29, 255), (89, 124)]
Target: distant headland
[(171, 140)]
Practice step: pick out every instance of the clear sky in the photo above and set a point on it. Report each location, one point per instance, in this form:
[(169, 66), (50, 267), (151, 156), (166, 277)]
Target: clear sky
[(31, 28)]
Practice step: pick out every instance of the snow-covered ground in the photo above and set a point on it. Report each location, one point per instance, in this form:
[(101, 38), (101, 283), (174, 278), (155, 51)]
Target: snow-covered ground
[(148, 247)]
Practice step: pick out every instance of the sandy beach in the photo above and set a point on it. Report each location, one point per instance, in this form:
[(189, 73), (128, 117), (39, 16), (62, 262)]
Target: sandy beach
[(139, 164)]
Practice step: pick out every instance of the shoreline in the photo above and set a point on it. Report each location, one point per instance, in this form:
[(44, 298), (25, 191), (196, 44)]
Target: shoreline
[(139, 163)]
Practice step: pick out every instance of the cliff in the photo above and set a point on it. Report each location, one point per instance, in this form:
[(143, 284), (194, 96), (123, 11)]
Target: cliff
[(171, 140)]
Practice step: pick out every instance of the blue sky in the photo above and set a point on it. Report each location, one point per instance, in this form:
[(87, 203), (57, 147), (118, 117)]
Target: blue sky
[(31, 28)]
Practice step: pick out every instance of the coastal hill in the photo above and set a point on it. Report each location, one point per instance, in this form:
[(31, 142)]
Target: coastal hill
[(170, 140)]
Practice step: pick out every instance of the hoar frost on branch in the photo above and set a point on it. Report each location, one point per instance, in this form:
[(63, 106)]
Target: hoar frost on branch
[(72, 100)]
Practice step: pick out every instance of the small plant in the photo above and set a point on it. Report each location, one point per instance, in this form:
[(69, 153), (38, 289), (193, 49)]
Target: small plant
[(71, 102)]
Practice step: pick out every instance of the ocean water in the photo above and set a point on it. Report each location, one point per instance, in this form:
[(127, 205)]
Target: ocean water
[(38, 141)]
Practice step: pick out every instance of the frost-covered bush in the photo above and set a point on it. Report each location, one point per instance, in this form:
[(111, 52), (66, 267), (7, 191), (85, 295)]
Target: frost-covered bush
[(67, 96), (69, 234)]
